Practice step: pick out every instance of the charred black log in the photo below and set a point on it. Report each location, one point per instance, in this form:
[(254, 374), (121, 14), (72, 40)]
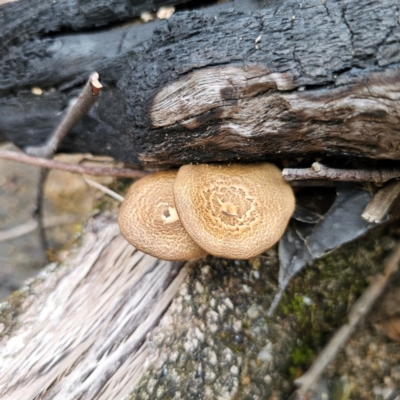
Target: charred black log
[(280, 80)]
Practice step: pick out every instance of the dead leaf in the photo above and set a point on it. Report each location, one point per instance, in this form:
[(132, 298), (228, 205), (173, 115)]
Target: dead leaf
[(310, 236)]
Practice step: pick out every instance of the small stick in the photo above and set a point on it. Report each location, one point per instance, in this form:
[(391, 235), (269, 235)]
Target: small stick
[(277, 299), (394, 394), (104, 189), (74, 168), (37, 212), (381, 202), (358, 311), (31, 225), (320, 171), (85, 101)]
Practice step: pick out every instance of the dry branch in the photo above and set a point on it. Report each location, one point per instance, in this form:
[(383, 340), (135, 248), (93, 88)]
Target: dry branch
[(319, 171), (77, 169), (75, 113), (32, 224), (293, 175), (381, 202)]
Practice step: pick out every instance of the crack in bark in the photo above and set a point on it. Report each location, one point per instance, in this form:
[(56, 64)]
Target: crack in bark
[(343, 16)]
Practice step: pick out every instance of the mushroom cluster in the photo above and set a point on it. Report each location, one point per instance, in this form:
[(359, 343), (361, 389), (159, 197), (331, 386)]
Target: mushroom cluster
[(233, 211)]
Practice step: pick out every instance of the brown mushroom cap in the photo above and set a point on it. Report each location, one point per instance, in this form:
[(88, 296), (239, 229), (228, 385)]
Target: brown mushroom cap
[(149, 221), (233, 211)]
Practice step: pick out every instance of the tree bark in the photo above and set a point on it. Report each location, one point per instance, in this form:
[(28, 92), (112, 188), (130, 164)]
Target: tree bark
[(280, 79)]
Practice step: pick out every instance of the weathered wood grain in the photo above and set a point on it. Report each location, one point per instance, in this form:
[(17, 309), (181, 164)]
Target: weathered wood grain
[(81, 332), (338, 60), (258, 113)]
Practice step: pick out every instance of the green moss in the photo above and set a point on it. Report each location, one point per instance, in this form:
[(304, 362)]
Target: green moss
[(101, 205), (301, 357), (9, 310), (319, 299)]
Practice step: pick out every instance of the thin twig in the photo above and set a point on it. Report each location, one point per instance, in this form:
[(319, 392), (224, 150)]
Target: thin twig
[(358, 311), (85, 101), (104, 189), (394, 394), (381, 202), (320, 171), (74, 168), (37, 213), (31, 225), (277, 298), (75, 113)]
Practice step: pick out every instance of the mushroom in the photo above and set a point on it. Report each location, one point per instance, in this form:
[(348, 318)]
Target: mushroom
[(149, 221), (233, 211)]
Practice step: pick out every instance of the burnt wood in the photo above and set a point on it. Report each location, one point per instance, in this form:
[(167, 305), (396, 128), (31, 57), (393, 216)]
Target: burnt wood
[(262, 80)]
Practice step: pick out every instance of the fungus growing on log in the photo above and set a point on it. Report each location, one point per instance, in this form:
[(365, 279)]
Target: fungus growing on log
[(233, 211), (149, 221)]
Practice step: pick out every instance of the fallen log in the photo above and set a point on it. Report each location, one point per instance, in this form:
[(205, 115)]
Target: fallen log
[(81, 329), (221, 84)]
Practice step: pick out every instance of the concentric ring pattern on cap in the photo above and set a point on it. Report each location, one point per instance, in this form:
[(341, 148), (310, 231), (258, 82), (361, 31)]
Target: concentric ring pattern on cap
[(149, 221), (233, 211)]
